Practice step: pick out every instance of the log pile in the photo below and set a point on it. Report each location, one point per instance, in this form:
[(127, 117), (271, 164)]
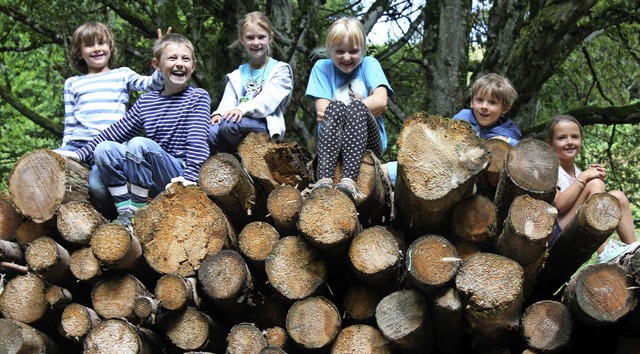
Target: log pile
[(455, 259)]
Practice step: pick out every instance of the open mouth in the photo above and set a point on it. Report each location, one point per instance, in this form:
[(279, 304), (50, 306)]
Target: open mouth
[(178, 73)]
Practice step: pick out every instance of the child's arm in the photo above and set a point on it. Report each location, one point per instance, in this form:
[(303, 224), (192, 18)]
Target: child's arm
[(565, 200), (377, 101), (274, 92), (228, 101), (321, 105)]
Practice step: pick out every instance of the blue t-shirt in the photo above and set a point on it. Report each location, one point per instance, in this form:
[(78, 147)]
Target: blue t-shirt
[(505, 127), (328, 82), (253, 80)]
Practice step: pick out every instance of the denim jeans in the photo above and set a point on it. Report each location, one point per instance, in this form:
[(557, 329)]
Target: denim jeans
[(140, 161), (226, 135), (98, 193)]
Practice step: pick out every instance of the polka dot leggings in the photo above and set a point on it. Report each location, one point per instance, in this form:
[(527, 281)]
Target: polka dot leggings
[(348, 130)]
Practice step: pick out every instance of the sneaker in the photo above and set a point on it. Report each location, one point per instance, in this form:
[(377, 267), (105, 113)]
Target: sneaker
[(612, 250), (323, 183), (125, 219), (350, 188)]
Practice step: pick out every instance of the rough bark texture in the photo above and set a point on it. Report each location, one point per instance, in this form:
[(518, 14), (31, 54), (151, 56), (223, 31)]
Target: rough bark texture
[(361, 339), (41, 181), (114, 296), (17, 338), (180, 228), (313, 334), (473, 219), (118, 336), (375, 256), (284, 204), (77, 221), (77, 320), (487, 181), (9, 217), (431, 262), (328, 218), (23, 299), (376, 205), (438, 161), (546, 326), (403, 318), (448, 314), (11, 252)]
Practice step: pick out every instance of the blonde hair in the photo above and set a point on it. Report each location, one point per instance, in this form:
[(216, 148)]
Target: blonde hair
[(561, 118), (349, 28), (87, 34), (160, 44), (497, 86), (259, 19)]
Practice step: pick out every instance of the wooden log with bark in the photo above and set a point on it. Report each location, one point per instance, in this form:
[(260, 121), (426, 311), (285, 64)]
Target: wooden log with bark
[(403, 318), (85, 266), (114, 296), (101, 339), (190, 329), (594, 222), (29, 230), (255, 241), (375, 257), (245, 338), (448, 317), (276, 337), (77, 221), (23, 299), (361, 338), (530, 167), (117, 249), (359, 302), (77, 320), (18, 338), (546, 326), (9, 217), (313, 334), (431, 263), (11, 252), (174, 292), (438, 161), (295, 269), (488, 179), (526, 235), (600, 294), (375, 207), (328, 219), (50, 260), (180, 228), (630, 262), (473, 219), (41, 181), (226, 279), (57, 297), (284, 204)]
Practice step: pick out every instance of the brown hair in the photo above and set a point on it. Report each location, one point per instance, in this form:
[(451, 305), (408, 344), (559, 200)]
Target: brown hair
[(162, 43), (259, 19), (87, 34), (561, 118), (497, 86)]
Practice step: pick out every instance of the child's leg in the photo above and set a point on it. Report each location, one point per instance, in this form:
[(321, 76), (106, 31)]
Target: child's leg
[(148, 165), (592, 187), (215, 145), (330, 138), (626, 230), (360, 132), (109, 157), (233, 132)]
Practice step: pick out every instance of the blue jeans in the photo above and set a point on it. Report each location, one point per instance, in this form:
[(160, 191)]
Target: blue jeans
[(98, 192), (140, 161), (226, 135)]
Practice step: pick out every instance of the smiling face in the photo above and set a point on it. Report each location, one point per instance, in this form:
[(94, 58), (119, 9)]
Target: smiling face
[(566, 140), (255, 41), (345, 55), (176, 65), (487, 108), (96, 55)]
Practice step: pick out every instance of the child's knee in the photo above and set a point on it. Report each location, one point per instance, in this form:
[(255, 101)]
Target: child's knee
[(622, 198), (595, 185)]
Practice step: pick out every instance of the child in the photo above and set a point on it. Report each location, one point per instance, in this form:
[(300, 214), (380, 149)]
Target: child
[(564, 135), (176, 120), (256, 93), (98, 98), (349, 90), (491, 96)]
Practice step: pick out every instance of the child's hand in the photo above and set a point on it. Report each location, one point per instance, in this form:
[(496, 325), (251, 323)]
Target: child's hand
[(593, 172), (216, 118), (180, 180), (500, 137), (69, 154), (160, 32), (234, 115)]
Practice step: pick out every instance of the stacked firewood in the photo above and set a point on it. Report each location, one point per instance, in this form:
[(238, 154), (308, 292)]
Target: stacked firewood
[(456, 258)]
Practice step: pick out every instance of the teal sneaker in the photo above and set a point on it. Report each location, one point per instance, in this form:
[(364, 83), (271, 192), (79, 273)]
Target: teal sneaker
[(612, 250)]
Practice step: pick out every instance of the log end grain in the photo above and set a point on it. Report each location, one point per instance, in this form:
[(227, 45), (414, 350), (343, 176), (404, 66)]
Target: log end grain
[(114, 297), (498, 149), (328, 218), (111, 242), (224, 275), (361, 338), (532, 165), (188, 329), (9, 217), (173, 292), (547, 325), (374, 250), (276, 336), (43, 254), (23, 299), (113, 336), (245, 338), (360, 301), (84, 265), (473, 219), (432, 261), (219, 174), (77, 320), (77, 221), (256, 240), (403, 318), (313, 322)]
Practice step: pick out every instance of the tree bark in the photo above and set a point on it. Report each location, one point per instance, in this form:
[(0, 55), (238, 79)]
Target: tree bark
[(50, 260), (488, 179), (11, 252), (630, 261), (179, 229), (284, 204), (526, 235), (547, 326), (23, 299), (375, 256), (175, 292), (530, 167), (17, 337), (328, 218), (431, 263), (376, 206), (473, 219), (361, 338), (85, 266), (77, 320), (438, 161), (448, 317), (599, 295), (9, 217), (594, 222), (41, 181), (245, 338), (255, 242), (403, 318), (114, 296), (130, 339), (77, 221), (294, 268), (313, 334)]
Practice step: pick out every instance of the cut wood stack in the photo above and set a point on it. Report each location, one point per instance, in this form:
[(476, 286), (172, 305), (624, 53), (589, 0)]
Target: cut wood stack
[(207, 269)]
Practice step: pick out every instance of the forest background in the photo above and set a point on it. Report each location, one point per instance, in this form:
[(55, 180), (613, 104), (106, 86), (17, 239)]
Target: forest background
[(575, 57)]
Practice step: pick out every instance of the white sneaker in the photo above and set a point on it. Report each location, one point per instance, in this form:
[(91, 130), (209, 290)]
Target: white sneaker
[(612, 250)]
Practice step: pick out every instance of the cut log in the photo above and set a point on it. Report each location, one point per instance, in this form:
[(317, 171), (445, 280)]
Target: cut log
[(272, 350), (118, 336), (146, 308), (630, 262), (375, 207), (313, 322), (284, 204), (11, 252), (41, 181), (50, 260), (448, 314), (375, 256), (256, 240), (114, 296), (225, 277), (473, 219), (18, 338), (494, 297), (328, 218), (276, 337), (85, 266), (77, 221), (9, 217), (526, 235), (77, 320), (189, 329), (403, 318), (294, 268), (179, 229), (23, 299), (57, 297), (29, 230), (431, 263), (438, 161), (530, 167), (599, 295), (359, 303), (116, 248), (245, 338), (362, 339), (175, 292), (546, 326), (228, 184), (593, 224), (272, 164), (488, 179)]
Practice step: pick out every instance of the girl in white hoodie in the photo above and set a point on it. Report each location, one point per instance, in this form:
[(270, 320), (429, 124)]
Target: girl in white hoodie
[(256, 93)]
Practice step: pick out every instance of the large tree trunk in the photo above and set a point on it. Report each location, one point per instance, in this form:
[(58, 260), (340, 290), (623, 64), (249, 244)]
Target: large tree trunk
[(284, 204), (41, 181), (438, 161), (310, 334), (130, 339), (375, 256), (473, 219), (431, 263), (18, 338), (114, 296), (403, 318), (9, 217), (179, 229), (77, 221), (361, 338), (546, 326)]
